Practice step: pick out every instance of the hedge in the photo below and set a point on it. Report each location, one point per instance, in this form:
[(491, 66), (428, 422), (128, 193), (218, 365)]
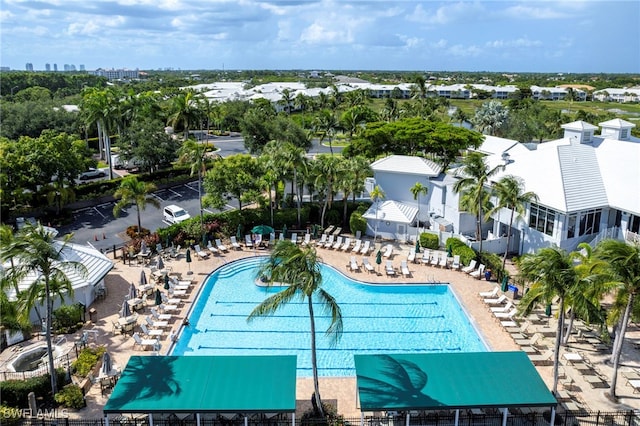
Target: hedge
[(15, 392)]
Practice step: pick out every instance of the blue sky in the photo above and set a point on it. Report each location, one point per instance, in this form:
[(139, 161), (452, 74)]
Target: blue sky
[(519, 36)]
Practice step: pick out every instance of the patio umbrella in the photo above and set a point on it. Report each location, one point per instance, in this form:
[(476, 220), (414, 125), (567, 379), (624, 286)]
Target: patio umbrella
[(160, 263), (143, 278), (239, 232), (417, 246), (449, 251), (133, 293), (505, 283), (379, 258), (166, 282), (284, 230), (158, 298), (143, 247), (125, 311), (262, 229), (106, 364), (188, 256), (547, 310)]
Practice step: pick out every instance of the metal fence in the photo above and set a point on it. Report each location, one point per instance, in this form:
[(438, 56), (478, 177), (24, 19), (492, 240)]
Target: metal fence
[(533, 418), (62, 361)]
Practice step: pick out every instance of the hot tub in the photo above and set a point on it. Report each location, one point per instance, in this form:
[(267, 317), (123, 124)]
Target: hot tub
[(32, 357)]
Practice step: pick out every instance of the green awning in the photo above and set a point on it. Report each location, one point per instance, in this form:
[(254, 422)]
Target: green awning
[(200, 384), (402, 382)]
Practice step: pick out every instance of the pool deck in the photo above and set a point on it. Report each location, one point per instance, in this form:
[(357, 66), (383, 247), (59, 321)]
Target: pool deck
[(342, 391)]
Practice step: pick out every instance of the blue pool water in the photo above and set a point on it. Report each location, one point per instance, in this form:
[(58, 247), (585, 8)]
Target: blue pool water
[(377, 319)]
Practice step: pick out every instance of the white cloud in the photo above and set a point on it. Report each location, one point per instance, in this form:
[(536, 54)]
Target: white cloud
[(316, 33), (532, 12), (447, 14), (519, 42), (464, 51)]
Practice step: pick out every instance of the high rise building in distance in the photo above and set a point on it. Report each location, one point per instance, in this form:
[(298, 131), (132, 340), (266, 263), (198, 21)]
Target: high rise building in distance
[(29, 66)]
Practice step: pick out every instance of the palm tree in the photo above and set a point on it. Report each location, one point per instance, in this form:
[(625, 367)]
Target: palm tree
[(99, 107), (474, 176), (192, 152), (132, 191), (286, 100), (376, 195), (622, 271), (36, 253), (326, 123), (328, 167), (490, 117), (299, 267), (511, 195), (417, 190), (184, 110)]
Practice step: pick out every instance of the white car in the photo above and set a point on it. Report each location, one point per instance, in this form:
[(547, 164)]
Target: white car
[(175, 214), (92, 174)]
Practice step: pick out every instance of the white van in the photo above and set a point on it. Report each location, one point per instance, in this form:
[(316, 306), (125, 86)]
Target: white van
[(175, 214)]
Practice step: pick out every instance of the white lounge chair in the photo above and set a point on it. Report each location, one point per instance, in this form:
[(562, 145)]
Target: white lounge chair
[(412, 255), (497, 300), (354, 264), (160, 317), (388, 251), (155, 333), (177, 293), (389, 269), (329, 242), (443, 260), (434, 259), (322, 241), (234, 243), (346, 245), (506, 315), (156, 323), (367, 265), (404, 268), (307, 240), (490, 294), (478, 272), (505, 308), (470, 268), (357, 246), (294, 238), (175, 252), (212, 249), (221, 246), (281, 236), (247, 241), (426, 257), (456, 262), (144, 343), (337, 244), (366, 247), (200, 253)]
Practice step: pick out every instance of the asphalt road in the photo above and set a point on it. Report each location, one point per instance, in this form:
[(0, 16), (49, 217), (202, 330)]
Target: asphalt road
[(100, 228)]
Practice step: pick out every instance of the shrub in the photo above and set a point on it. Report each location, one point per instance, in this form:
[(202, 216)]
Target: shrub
[(68, 318), (70, 396), (10, 415), (493, 262), (459, 248), (15, 392), (357, 223), (87, 359), (429, 241)]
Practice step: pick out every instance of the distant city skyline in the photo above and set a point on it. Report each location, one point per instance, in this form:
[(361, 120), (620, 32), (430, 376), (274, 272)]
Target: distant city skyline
[(569, 36)]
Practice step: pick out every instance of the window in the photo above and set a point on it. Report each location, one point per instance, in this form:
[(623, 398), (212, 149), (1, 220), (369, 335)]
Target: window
[(634, 224), (586, 137), (624, 133), (571, 226), (542, 219), (590, 222)]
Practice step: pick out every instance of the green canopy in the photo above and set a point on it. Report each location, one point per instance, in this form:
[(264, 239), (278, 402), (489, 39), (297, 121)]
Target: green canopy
[(205, 384), (262, 229), (439, 381)]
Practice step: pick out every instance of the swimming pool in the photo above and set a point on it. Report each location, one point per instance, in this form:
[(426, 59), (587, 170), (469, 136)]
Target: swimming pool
[(377, 319)]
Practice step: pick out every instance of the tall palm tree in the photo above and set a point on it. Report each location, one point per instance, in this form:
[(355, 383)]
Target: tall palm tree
[(417, 190), (328, 167), (511, 195), (37, 254), (132, 191), (294, 162), (99, 106), (474, 177), (623, 274), (185, 110), (376, 195), (327, 124), (299, 267), (192, 152)]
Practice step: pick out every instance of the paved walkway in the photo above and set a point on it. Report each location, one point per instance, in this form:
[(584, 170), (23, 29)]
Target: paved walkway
[(342, 391)]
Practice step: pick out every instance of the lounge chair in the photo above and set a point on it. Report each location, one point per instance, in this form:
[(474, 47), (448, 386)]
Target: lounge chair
[(389, 269), (294, 238), (156, 324), (505, 308), (388, 251), (443, 260), (470, 268), (354, 264), (329, 242), (212, 249), (529, 342), (434, 259), (337, 244), (144, 343), (155, 333), (490, 294), (542, 359), (478, 272), (347, 244), (506, 315), (329, 230), (281, 236), (365, 247), (496, 301), (221, 246), (322, 241), (177, 293), (405, 269), (426, 257), (234, 243), (357, 246), (367, 265), (307, 240), (166, 307), (247, 241), (412, 255), (201, 254), (175, 252), (456, 262), (160, 317), (337, 232)]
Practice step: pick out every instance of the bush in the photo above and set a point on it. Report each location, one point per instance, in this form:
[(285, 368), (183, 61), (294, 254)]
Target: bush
[(15, 392), (68, 318), (10, 415), (87, 359), (493, 262), (71, 397), (429, 241), (459, 248), (357, 223)]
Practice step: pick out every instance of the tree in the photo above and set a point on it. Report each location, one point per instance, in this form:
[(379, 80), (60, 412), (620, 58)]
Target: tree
[(36, 254), (376, 195), (286, 100), (148, 143), (193, 153), (97, 108), (236, 176), (256, 132), (490, 118), (474, 176), (328, 168), (417, 190), (511, 195), (327, 124), (622, 273), (299, 267), (184, 111), (132, 191)]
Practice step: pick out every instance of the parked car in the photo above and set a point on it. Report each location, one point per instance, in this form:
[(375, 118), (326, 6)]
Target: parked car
[(92, 174), (175, 214)]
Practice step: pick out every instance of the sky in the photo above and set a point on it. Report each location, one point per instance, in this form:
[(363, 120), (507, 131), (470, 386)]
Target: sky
[(570, 36)]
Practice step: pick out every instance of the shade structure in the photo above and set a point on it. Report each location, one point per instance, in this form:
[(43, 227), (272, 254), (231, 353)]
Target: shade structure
[(133, 293), (166, 282), (143, 278), (417, 246), (125, 311), (160, 262), (158, 298), (106, 364), (262, 229)]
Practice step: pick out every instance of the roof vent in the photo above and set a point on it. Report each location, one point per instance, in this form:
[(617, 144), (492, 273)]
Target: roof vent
[(506, 158)]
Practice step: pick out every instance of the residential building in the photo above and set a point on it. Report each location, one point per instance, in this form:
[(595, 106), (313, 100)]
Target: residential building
[(29, 66), (618, 95)]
